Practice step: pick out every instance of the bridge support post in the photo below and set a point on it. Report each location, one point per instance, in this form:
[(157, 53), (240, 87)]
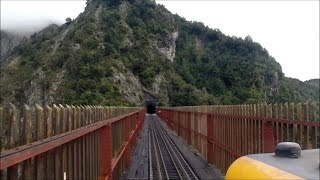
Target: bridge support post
[(268, 137), (106, 152)]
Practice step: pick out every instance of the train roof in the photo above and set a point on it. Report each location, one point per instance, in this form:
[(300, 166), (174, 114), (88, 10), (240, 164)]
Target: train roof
[(306, 166)]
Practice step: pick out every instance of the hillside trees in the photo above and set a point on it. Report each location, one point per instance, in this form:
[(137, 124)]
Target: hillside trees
[(113, 36)]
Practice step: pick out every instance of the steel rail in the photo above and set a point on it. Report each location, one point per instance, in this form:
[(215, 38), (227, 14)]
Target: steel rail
[(174, 162), (157, 152), (177, 154), (182, 165), (161, 155), (181, 172), (150, 156)]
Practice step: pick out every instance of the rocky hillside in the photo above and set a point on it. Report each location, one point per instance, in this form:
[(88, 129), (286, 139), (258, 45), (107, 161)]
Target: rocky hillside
[(116, 51), (8, 42)]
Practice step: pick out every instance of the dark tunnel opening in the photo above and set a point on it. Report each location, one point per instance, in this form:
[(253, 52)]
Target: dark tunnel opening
[(151, 107)]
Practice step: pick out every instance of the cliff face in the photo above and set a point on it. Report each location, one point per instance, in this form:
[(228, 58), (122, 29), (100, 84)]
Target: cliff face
[(8, 43), (116, 51)]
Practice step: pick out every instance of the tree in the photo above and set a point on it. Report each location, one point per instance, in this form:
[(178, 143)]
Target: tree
[(68, 20)]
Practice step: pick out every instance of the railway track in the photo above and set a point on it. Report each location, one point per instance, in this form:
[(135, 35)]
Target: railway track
[(165, 159)]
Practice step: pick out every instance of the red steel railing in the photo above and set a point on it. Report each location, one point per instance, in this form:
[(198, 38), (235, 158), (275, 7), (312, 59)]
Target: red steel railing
[(222, 135), (67, 142)]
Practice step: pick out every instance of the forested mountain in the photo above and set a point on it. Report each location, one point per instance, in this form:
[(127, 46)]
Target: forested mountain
[(115, 51), (307, 90)]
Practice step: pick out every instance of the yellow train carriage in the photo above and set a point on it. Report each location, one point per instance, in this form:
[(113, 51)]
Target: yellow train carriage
[(270, 166)]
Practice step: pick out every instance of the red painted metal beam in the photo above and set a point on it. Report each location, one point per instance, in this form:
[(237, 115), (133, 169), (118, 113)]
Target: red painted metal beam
[(189, 128), (106, 151), (124, 148), (209, 136), (268, 140), (255, 118), (21, 153), (297, 122)]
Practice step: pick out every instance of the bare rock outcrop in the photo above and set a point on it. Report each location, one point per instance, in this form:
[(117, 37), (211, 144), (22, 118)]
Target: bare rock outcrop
[(129, 85), (168, 46)]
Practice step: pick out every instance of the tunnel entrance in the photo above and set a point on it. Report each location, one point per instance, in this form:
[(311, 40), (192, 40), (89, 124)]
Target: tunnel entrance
[(150, 102), (151, 107)]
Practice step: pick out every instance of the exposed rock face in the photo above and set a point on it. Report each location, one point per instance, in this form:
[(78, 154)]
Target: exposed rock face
[(58, 41), (157, 82), (169, 49), (35, 93), (123, 12), (77, 46), (9, 42), (199, 46), (57, 82), (159, 89), (129, 85), (275, 86), (116, 51), (38, 92), (276, 82), (98, 13)]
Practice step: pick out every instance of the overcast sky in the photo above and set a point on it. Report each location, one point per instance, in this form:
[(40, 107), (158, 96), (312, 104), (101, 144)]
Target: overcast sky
[(28, 15), (289, 30)]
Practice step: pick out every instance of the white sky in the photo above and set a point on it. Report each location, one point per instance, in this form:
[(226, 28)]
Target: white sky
[(26, 15), (289, 30)]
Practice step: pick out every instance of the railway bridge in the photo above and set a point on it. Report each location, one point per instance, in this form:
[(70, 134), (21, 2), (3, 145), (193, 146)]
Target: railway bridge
[(98, 142)]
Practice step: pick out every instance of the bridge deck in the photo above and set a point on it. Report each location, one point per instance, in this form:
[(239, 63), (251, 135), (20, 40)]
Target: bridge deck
[(140, 162)]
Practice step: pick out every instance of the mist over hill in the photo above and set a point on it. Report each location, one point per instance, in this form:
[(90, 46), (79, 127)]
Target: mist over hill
[(27, 29), (116, 51), (9, 41)]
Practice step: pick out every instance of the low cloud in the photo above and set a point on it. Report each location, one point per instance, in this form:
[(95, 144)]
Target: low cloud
[(27, 17)]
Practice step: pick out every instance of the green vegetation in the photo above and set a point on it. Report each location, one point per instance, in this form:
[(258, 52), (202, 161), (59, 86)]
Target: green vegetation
[(75, 63), (232, 69)]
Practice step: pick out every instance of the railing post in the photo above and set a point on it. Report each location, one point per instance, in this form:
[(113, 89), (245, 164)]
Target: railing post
[(268, 141), (209, 137), (196, 121), (189, 127), (141, 116), (179, 123), (106, 151), (172, 119), (14, 138), (127, 136), (169, 118)]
